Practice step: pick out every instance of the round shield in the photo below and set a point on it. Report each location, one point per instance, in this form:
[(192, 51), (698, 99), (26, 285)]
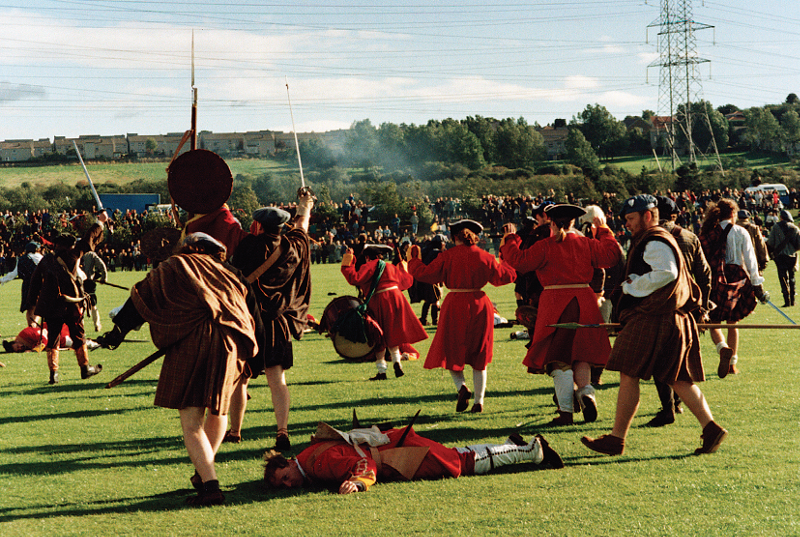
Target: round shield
[(199, 181), (160, 243)]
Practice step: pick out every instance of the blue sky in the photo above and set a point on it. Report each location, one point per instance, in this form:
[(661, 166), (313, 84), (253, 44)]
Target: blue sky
[(75, 67)]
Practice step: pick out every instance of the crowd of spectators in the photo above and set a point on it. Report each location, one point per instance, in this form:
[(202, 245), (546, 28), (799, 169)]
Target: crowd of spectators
[(335, 227)]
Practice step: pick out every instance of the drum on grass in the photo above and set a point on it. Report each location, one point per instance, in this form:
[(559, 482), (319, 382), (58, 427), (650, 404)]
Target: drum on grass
[(346, 339)]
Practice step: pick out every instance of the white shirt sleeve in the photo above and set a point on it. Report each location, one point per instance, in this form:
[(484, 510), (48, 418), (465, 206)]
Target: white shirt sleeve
[(9, 275), (740, 251), (665, 270)]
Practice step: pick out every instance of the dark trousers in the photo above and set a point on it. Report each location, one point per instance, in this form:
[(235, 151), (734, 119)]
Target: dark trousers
[(786, 267)]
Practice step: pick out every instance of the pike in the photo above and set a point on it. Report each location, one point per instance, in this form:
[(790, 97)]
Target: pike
[(712, 326), (91, 185), (138, 367)]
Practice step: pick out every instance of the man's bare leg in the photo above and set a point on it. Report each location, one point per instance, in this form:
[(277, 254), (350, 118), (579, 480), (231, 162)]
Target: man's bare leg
[(238, 407), (281, 400), (197, 443), (627, 405), (695, 401)]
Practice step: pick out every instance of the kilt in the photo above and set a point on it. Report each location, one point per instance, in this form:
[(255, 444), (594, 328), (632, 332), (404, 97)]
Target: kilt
[(733, 294), (664, 347)]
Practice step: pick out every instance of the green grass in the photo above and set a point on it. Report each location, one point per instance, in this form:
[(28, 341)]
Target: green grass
[(78, 459), (121, 173)]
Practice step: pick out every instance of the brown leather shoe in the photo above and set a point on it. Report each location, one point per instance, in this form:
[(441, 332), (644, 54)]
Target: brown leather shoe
[(206, 499), (725, 357), (732, 370), (712, 436), (463, 399), (606, 444), (282, 442), (477, 408)]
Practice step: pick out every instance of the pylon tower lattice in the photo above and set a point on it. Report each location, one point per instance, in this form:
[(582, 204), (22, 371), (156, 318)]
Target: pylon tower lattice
[(679, 80)]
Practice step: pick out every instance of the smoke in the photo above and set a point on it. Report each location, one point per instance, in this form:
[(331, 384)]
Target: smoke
[(17, 92)]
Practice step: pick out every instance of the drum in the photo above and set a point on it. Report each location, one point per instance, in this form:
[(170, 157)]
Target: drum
[(345, 342)]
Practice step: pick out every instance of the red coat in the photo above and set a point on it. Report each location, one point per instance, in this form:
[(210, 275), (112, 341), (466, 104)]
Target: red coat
[(339, 462), (220, 224), (388, 307), (570, 262), (465, 333)]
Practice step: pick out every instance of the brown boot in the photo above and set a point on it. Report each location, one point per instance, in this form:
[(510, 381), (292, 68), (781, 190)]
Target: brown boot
[(725, 357), (563, 418), (712, 436), (606, 444)]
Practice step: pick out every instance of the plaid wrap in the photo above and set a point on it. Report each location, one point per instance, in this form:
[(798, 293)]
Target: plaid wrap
[(659, 336), (731, 289)]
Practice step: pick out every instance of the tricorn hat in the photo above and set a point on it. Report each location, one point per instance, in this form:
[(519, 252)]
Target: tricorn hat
[(564, 211), (199, 181), (541, 208), (378, 249), (471, 225)]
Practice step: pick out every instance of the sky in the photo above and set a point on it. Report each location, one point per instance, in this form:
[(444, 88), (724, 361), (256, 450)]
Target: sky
[(80, 67)]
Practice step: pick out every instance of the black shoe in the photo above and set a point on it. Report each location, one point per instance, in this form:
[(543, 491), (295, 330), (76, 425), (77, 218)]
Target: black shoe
[(53, 377), (90, 370), (662, 418), (8, 346), (206, 499), (398, 370), (549, 455), (516, 439), (463, 399), (282, 442), (231, 438), (197, 482), (379, 376)]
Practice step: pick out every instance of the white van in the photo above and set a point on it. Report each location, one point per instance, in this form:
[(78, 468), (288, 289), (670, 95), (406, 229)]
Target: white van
[(780, 188)]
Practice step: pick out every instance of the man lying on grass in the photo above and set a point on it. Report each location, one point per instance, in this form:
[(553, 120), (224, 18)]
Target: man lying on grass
[(352, 462)]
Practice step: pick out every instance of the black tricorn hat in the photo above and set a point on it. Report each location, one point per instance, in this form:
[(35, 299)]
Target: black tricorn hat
[(541, 208), (199, 181), (471, 225), (564, 211)]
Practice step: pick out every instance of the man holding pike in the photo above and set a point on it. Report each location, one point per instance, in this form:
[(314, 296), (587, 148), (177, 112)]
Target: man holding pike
[(659, 336)]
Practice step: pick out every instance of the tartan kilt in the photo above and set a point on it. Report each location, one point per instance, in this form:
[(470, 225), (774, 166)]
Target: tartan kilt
[(664, 347), (733, 294)]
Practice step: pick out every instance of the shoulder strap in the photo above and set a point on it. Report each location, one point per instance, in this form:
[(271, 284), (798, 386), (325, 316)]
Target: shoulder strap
[(256, 274), (379, 268)]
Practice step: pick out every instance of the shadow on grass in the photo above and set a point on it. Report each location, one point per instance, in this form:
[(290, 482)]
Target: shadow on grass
[(80, 414), (242, 494)]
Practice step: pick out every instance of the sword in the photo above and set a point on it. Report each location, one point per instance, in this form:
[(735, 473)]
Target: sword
[(294, 131), (91, 185), (779, 311), (407, 430)]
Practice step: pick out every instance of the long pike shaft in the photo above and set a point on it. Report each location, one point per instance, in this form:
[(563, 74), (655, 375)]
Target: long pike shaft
[(711, 326), (91, 185)]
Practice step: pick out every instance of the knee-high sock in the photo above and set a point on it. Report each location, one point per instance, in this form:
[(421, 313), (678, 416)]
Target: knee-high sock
[(479, 383), (490, 456), (458, 379), (565, 389), (380, 361), (394, 352)]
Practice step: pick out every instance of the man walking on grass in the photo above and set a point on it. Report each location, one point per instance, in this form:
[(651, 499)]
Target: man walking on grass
[(659, 336)]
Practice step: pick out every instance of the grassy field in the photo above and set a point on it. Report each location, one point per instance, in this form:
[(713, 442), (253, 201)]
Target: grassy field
[(78, 459), (120, 173)]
